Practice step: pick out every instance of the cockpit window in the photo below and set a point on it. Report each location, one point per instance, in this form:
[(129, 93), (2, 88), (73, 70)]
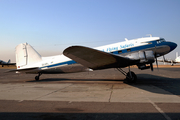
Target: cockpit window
[(160, 41)]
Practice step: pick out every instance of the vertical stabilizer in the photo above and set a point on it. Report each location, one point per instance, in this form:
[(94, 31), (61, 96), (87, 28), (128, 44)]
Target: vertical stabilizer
[(176, 54), (26, 55), (9, 61)]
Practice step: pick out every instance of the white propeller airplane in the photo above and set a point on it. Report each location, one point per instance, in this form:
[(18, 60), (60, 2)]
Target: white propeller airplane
[(6, 63), (177, 60), (142, 52)]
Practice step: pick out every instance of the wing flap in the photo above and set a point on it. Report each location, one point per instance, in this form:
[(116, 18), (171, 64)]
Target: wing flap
[(96, 59)]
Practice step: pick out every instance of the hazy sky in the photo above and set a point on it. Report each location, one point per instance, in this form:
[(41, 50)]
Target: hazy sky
[(52, 25)]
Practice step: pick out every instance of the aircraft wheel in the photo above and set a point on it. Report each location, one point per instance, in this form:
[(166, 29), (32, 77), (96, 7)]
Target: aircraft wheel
[(131, 78), (37, 78)]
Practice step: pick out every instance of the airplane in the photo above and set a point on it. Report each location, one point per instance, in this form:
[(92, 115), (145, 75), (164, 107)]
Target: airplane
[(6, 63), (142, 52), (177, 60)]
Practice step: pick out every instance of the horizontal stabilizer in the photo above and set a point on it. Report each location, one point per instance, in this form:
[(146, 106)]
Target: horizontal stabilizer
[(35, 69)]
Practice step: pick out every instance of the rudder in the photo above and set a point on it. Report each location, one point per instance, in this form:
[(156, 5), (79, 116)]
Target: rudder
[(26, 55)]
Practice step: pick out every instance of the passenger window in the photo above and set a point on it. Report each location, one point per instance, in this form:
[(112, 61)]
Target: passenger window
[(128, 50), (120, 51)]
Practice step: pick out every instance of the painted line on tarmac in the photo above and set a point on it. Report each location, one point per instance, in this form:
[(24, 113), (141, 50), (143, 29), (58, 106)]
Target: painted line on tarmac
[(160, 110), (53, 92), (111, 93)]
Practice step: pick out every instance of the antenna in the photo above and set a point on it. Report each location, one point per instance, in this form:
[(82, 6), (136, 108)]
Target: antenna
[(126, 39), (150, 35)]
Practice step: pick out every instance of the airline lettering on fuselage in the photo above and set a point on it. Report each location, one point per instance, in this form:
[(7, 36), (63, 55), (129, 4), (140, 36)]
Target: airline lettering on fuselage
[(45, 64), (112, 49), (126, 46), (118, 48)]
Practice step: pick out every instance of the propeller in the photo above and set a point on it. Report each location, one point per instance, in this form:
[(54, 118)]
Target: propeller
[(164, 59), (156, 57), (151, 65)]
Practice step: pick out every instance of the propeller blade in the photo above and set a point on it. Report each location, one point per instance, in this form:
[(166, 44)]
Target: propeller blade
[(157, 64), (155, 52), (156, 58), (164, 59), (151, 65)]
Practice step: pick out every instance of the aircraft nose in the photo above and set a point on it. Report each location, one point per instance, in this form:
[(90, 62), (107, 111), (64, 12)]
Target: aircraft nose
[(172, 45)]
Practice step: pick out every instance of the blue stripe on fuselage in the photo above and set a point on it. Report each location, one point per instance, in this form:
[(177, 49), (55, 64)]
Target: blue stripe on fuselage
[(59, 64)]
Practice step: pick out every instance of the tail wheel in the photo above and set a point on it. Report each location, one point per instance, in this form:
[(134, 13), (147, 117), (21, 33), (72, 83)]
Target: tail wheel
[(131, 77), (37, 77)]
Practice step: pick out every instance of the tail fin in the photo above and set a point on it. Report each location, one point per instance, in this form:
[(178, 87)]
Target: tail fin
[(26, 55), (176, 54), (9, 61)]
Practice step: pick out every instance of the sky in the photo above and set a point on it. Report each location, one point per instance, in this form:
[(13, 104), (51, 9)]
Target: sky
[(50, 26)]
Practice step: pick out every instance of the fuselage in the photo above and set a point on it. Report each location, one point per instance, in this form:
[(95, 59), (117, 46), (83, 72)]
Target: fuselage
[(2, 62), (61, 63), (156, 44)]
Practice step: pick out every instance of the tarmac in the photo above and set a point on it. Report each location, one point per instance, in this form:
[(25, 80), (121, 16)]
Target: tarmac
[(97, 95)]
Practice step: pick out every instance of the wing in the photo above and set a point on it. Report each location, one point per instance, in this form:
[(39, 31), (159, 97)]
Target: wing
[(96, 59), (168, 61)]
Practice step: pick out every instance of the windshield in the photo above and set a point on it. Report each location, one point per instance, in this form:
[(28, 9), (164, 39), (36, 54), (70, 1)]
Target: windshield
[(161, 40)]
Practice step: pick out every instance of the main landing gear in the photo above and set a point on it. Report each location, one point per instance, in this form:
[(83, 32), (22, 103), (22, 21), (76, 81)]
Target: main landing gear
[(130, 76), (37, 77)]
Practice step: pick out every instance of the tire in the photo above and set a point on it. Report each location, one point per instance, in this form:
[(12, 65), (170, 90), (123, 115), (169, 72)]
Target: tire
[(129, 79)]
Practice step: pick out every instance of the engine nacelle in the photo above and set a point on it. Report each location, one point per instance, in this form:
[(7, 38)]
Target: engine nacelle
[(143, 67), (145, 57)]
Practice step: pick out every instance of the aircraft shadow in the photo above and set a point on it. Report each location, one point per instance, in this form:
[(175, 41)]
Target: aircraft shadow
[(76, 79), (171, 85), (84, 116)]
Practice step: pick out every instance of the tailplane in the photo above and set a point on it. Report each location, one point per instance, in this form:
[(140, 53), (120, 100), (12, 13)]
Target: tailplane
[(26, 55)]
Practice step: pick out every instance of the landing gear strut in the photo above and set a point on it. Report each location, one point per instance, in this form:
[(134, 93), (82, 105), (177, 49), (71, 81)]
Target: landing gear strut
[(37, 77), (130, 76)]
